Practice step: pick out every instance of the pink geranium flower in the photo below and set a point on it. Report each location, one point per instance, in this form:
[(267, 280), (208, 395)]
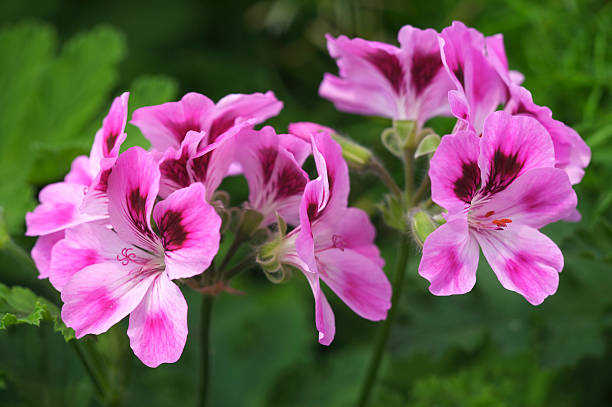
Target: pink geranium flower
[(81, 197), (105, 274), (276, 179), (405, 83), (335, 244), (498, 190)]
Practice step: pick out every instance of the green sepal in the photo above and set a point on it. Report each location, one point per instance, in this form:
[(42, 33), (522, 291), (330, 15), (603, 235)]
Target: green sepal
[(428, 145), (422, 226)]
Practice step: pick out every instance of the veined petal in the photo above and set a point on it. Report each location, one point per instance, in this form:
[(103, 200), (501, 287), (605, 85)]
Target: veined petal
[(132, 189), (537, 198), (358, 281), (454, 172), (173, 165), (109, 138), (166, 125), (100, 295), (299, 148), (304, 243), (256, 106), (450, 259), (189, 229), (158, 325), (89, 244), (80, 172), (524, 260), (324, 316), (510, 146), (333, 171), (41, 252)]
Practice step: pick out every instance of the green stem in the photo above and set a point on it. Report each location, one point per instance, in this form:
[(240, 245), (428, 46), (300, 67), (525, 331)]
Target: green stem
[(385, 177), (94, 374), (408, 173), (421, 191), (231, 252), (243, 265), (383, 337), (205, 318)]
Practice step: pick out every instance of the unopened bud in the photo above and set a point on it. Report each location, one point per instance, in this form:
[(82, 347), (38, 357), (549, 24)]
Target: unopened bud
[(422, 226), (355, 154)]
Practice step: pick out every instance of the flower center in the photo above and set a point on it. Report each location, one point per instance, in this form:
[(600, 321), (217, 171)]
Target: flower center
[(478, 220)]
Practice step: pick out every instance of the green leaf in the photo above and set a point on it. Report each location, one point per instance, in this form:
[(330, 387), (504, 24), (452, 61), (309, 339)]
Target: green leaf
[(428, 145), (19, 305)]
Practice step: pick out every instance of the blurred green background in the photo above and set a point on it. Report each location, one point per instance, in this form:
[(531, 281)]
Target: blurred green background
[(62, 61)]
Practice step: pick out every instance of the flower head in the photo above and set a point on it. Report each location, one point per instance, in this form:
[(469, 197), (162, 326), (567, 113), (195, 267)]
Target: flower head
[(498, 189)]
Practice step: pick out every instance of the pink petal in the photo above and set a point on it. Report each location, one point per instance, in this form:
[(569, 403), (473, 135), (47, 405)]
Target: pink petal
[(332, 170), (299, 148), (99, 296), (59, 209), (132, 190), (524, 260), (358, 281), (80, 172), (189, 229), (158, 325), (257, 106), (454, 172), (537, 198), (173, 165), (89, 244), (166, 125), (112, 134), (324, 316), (304, 130), (450, 259), (510, 146), (41, 252), (372, 78)]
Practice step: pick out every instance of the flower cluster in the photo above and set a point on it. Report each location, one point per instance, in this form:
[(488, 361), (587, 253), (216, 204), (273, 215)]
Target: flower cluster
[(120, 228), (506, 170)]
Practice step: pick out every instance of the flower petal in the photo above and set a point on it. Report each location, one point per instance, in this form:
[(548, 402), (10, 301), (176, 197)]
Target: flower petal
[(166, 125), (132, 190), (450, 259), (112, 134), (189, 229), (454, 172), (80, 172), (358, 281), (324, 316), (173, 165), (537, 198), (100, 295), (524, 260), (41, 252), (158, 325), (510, 146)]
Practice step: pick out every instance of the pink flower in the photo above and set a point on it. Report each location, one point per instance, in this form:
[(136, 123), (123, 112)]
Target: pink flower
[(571, 152), (407, 83), (105, 274), (276, 179), (167, 125), (479, 88), (335, 244), (498, 191), (81, 197)]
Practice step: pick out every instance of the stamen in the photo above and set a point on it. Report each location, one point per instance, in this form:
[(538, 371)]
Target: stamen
[(489, 214), (502, 222)]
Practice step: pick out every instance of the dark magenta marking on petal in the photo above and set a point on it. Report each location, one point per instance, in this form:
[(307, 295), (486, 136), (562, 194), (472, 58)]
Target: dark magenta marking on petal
[(138, 212), (465, 187), (267, 159), (504, 169), (290, 182), (180, 129), (103, 184), (424, 68), (110, 142), (173, 233), (176, 170), (459, 75), (312, 211), (522, 109), (200, 166), (220, 125), (391, 68)]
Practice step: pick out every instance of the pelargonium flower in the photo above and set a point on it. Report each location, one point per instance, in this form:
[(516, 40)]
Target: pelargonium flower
[(105, 274), (498, 189), (335, 244), (276, 179), (479, 88), (406, 82), (81, 197)]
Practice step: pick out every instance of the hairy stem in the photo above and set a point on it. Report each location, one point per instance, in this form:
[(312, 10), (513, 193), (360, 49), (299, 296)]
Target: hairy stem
[(408, 173), (243, 265), (205, 318), (383, 335), (421, 191), (231, 252)]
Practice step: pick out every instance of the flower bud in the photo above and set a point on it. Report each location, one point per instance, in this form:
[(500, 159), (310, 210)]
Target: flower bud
[(355, 155), (422, 226)]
